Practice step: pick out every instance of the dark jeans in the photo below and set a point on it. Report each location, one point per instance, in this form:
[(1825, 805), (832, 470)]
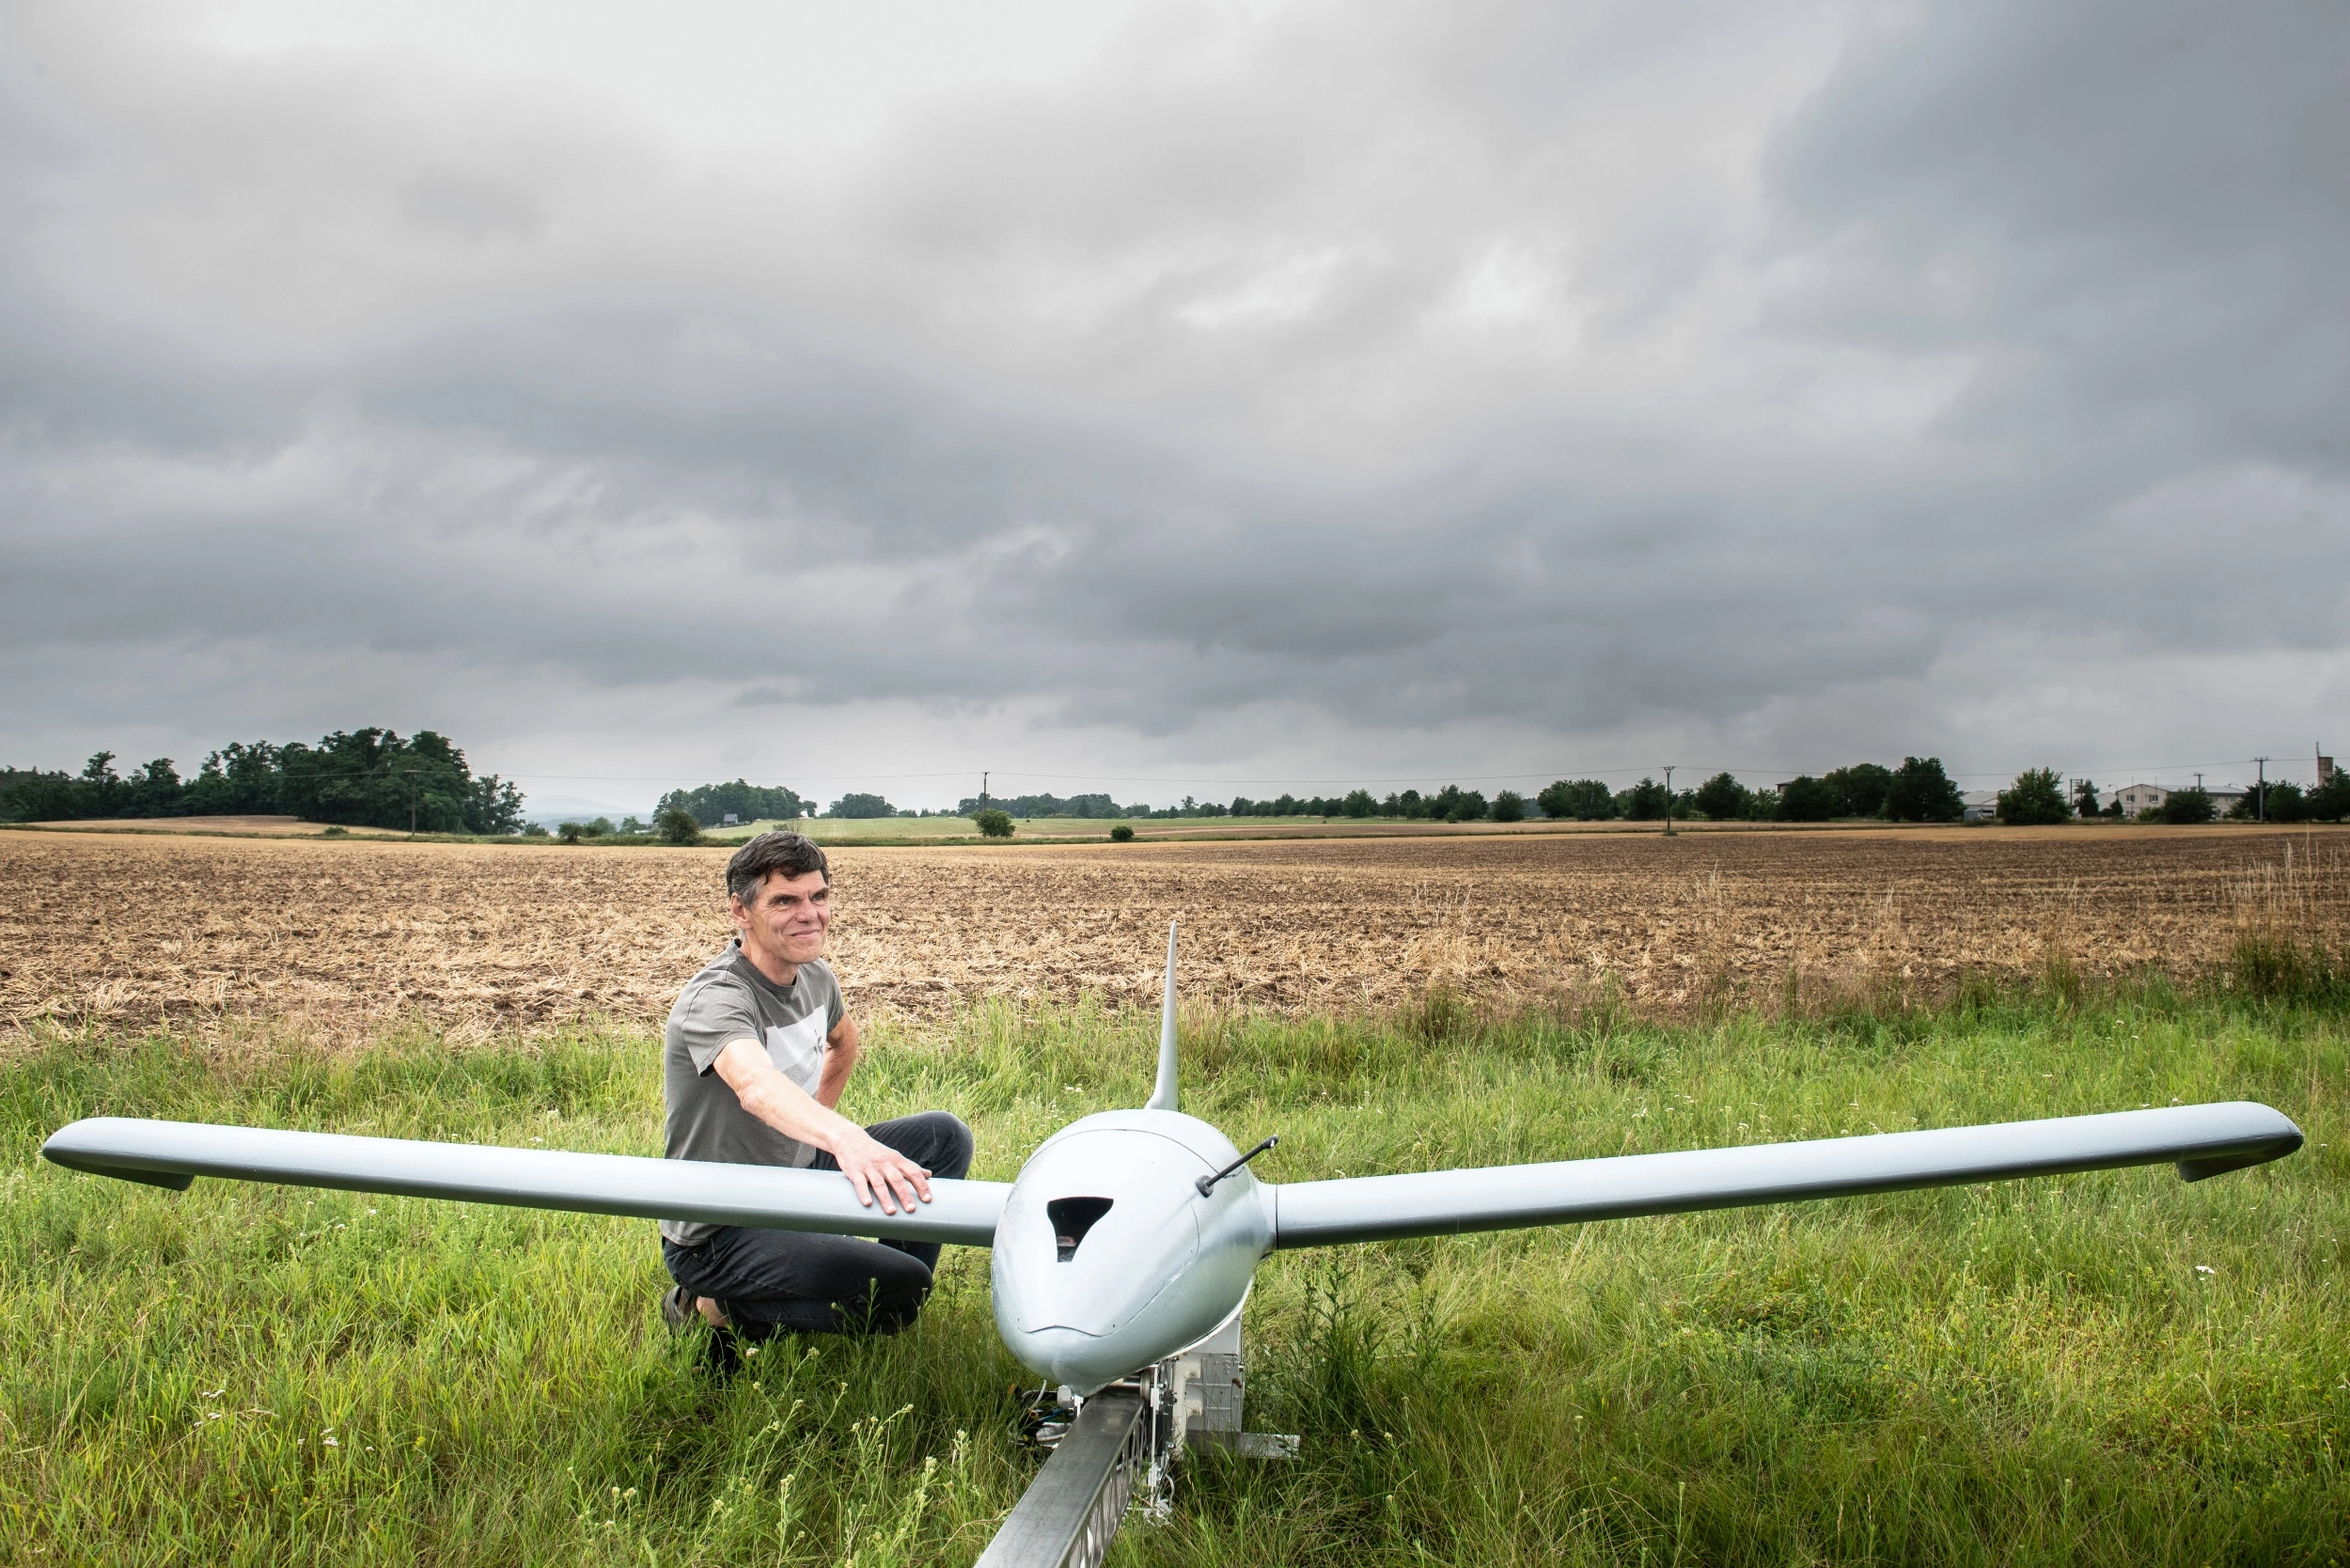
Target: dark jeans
[(764, 1280)]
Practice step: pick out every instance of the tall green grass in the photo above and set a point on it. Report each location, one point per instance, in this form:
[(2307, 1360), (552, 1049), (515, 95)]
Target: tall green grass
[(2117, 1368)]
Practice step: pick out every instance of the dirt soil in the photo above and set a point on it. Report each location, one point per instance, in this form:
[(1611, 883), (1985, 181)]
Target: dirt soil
[(348, 936), (294, 826)]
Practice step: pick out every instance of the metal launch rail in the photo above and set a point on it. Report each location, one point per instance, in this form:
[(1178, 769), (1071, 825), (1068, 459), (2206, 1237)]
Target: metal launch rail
[(1071, 1512)]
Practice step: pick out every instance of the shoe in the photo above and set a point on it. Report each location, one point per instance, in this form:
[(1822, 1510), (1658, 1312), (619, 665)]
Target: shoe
[(678, 1309)]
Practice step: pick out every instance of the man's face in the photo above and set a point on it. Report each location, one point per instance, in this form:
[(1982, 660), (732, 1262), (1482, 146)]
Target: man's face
[(786, 920)]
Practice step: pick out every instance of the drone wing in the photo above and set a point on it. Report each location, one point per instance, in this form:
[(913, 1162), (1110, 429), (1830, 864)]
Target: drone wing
[(2201, 1141), (172, 1153)]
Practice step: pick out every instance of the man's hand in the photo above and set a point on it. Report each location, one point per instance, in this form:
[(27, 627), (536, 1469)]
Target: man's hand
[(877, 1171)]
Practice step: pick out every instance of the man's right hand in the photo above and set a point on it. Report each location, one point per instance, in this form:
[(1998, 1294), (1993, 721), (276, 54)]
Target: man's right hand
[(875, 1170)]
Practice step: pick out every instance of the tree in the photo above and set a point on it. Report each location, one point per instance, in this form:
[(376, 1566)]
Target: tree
[(2085, 797), (1645, 802), (2330, 800), (1861, 790), (1722, 797), (1358, 803), (372, 778), (2286, 803), (994, 823), (2035, 799), (675, 825), (1454, 804), (1509, 807), (860, 808), (1583, 799), (1920, 791), (711, 804), (1121, 834), (2188, 806), (1091, 806), (1806, 799)]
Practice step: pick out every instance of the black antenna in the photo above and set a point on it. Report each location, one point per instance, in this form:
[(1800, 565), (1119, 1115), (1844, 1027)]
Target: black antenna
[(1207, 1184)]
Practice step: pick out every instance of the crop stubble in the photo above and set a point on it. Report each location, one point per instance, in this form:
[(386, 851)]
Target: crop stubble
[(345, 937)]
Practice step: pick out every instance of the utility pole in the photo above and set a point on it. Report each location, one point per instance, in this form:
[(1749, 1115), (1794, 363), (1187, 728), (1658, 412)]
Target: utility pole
[(1669, 798), (2259, 791), (982, 789)]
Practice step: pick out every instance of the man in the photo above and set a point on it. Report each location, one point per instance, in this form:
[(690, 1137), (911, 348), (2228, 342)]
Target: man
[(759, 1048)]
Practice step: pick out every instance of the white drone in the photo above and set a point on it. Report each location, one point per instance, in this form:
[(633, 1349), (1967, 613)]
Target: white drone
[(1131, 1235)]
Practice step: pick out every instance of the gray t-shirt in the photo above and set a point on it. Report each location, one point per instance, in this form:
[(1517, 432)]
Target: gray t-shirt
[(732, 1000)]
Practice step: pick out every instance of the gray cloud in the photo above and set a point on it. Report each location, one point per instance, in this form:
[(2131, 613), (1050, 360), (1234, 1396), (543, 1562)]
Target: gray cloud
[(1386, 385)]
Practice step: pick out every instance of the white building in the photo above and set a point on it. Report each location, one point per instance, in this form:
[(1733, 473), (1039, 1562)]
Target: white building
[(2149, 797), (1978, 806), (2135, 798)]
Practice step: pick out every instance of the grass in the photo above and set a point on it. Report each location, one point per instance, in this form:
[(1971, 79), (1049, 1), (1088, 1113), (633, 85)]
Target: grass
[(2117, 1368)]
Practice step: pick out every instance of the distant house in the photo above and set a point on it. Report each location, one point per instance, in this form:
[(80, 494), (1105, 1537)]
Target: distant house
[(1978, 806), (2149, 797), (729, 820)]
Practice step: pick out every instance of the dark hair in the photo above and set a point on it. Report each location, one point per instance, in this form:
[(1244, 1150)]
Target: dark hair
[(789, 852)]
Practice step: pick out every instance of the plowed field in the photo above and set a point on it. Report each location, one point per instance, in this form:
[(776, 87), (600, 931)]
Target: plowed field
[(345, 936)]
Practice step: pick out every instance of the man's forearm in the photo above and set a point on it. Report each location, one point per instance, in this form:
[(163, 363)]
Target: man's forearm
[(878, 1173), (781, 1104)]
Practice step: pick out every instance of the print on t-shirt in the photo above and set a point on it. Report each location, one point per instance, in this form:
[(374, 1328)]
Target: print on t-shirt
[(797, 1049)]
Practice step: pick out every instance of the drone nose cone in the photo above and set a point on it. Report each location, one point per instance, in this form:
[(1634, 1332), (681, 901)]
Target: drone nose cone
[(1108, 1257), (1066, 1355)]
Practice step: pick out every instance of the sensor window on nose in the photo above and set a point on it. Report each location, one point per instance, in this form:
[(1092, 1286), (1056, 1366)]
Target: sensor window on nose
[(1071, 1219)]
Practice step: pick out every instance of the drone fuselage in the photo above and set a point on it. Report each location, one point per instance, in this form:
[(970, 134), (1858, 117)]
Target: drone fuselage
[(1109, 1258)]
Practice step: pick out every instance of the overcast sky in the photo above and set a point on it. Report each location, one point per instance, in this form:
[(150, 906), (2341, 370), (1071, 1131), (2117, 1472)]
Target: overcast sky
[(1165, 398)]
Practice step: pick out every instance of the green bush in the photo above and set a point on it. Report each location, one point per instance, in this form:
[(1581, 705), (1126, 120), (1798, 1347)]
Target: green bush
[(676, 825), (2034, 800), (2188, 806), (1920, 791), (1509, 807), (1861, 790), (1807, 799), (1583, 799), (1645, 802), (2284, 803), (1722, 797), (995, 824), (2330, 800), (1121, 834)]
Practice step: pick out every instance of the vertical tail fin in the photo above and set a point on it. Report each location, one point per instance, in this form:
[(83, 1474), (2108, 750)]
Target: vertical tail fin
[(1163, 1096)]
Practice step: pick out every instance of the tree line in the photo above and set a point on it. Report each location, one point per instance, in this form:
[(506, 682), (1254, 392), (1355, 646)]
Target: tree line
[(369, 777), (1919, 791), (711, 803)]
